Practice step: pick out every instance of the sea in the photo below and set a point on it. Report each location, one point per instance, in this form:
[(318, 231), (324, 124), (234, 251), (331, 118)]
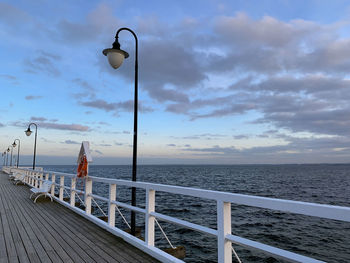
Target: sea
[(322, 239)]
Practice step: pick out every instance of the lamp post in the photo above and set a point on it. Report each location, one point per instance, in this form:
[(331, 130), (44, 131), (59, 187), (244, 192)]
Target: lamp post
[(7, 155), (116, 57), (11, 153), (14, 145), (28, 132)]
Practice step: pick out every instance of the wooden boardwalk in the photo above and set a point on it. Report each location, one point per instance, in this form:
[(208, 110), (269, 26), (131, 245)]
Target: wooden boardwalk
[(49, 232)]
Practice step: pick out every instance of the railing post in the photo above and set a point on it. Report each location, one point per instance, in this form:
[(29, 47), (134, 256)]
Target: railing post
[(111, 207), (72, 191), (46, 177), (60, 196), (31, 178), (224, 228), (149, 224), (41, 180), (35, 180), (53, 179), (87, 198)]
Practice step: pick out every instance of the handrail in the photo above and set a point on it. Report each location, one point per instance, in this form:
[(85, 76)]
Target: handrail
[(223, 199)]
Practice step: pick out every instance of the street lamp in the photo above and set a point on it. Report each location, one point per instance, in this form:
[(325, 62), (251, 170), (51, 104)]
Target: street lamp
[(14, 145), (7, 155), (28, 132), (116, 57), (8, 149)]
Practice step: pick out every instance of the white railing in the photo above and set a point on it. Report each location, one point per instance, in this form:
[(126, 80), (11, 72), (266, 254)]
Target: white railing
[(223, 200)]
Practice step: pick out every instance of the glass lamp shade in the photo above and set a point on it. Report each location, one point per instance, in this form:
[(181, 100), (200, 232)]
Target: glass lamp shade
[(14, 144), (28, 132), (8, 149), (115, 56)]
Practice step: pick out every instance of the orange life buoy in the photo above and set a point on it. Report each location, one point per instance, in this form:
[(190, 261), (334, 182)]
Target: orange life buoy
[(82, 167)]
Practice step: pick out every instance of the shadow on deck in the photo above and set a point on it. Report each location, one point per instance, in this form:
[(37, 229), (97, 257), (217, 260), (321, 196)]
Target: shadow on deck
[(49, 232)]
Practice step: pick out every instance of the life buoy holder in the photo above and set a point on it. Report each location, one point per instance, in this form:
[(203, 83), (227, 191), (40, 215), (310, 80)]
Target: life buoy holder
[(82, 167)]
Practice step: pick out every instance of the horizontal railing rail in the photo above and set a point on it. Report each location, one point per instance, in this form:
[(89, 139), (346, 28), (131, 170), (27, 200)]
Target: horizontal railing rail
[(223, 201)]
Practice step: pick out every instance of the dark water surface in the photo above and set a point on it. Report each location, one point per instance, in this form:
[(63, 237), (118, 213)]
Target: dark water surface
[(323, 239)]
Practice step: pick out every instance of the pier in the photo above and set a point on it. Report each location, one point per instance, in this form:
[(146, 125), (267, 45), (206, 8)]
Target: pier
[(49, 232)]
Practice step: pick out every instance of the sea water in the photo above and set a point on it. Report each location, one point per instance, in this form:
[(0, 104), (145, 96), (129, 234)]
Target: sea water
[(323, 239)]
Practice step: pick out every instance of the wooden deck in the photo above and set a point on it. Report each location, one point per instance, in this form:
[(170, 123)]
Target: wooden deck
[(49, 232)]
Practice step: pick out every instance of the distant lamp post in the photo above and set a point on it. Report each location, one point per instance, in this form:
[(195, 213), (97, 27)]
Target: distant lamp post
[(7, 155), (8, 149), (28, 132), (19, 145), (116, 57)]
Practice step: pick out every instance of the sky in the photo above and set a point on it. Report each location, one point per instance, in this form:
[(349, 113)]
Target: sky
[(220, 82)]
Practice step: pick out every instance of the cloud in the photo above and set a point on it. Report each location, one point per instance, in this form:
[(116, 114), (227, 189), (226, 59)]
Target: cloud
[(31, 97), (99, 152), (126, 106), (46, 140), (309, 149), (171, 145), (2, 125), (105, 145), (70, 142), (38, 119), (60, 126), (100, 104), (99, 22), (103, 123), (8, 77), (42, 123), (205, 136), (241, 136), (15, 19), (88, 90), (44, 62)]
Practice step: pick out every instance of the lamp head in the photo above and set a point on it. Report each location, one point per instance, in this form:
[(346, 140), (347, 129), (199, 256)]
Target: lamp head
[(28, 132), (14, 144), (8, 149), (115, 55)]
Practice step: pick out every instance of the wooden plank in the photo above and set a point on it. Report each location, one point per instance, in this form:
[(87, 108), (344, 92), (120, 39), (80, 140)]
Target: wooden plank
[(38, 219), (17, 239), (107, 240), (89, 236), (32, 239), (10, 246), (78, 245), (3, 252)]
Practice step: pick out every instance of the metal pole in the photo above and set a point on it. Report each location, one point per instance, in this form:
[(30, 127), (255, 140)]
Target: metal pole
[(19, 145), (36, 132), (6, 158), (134, 155), (11, 155)]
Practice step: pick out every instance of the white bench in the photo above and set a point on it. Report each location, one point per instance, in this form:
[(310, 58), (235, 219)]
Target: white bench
[(43, 190), (19, 178)]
